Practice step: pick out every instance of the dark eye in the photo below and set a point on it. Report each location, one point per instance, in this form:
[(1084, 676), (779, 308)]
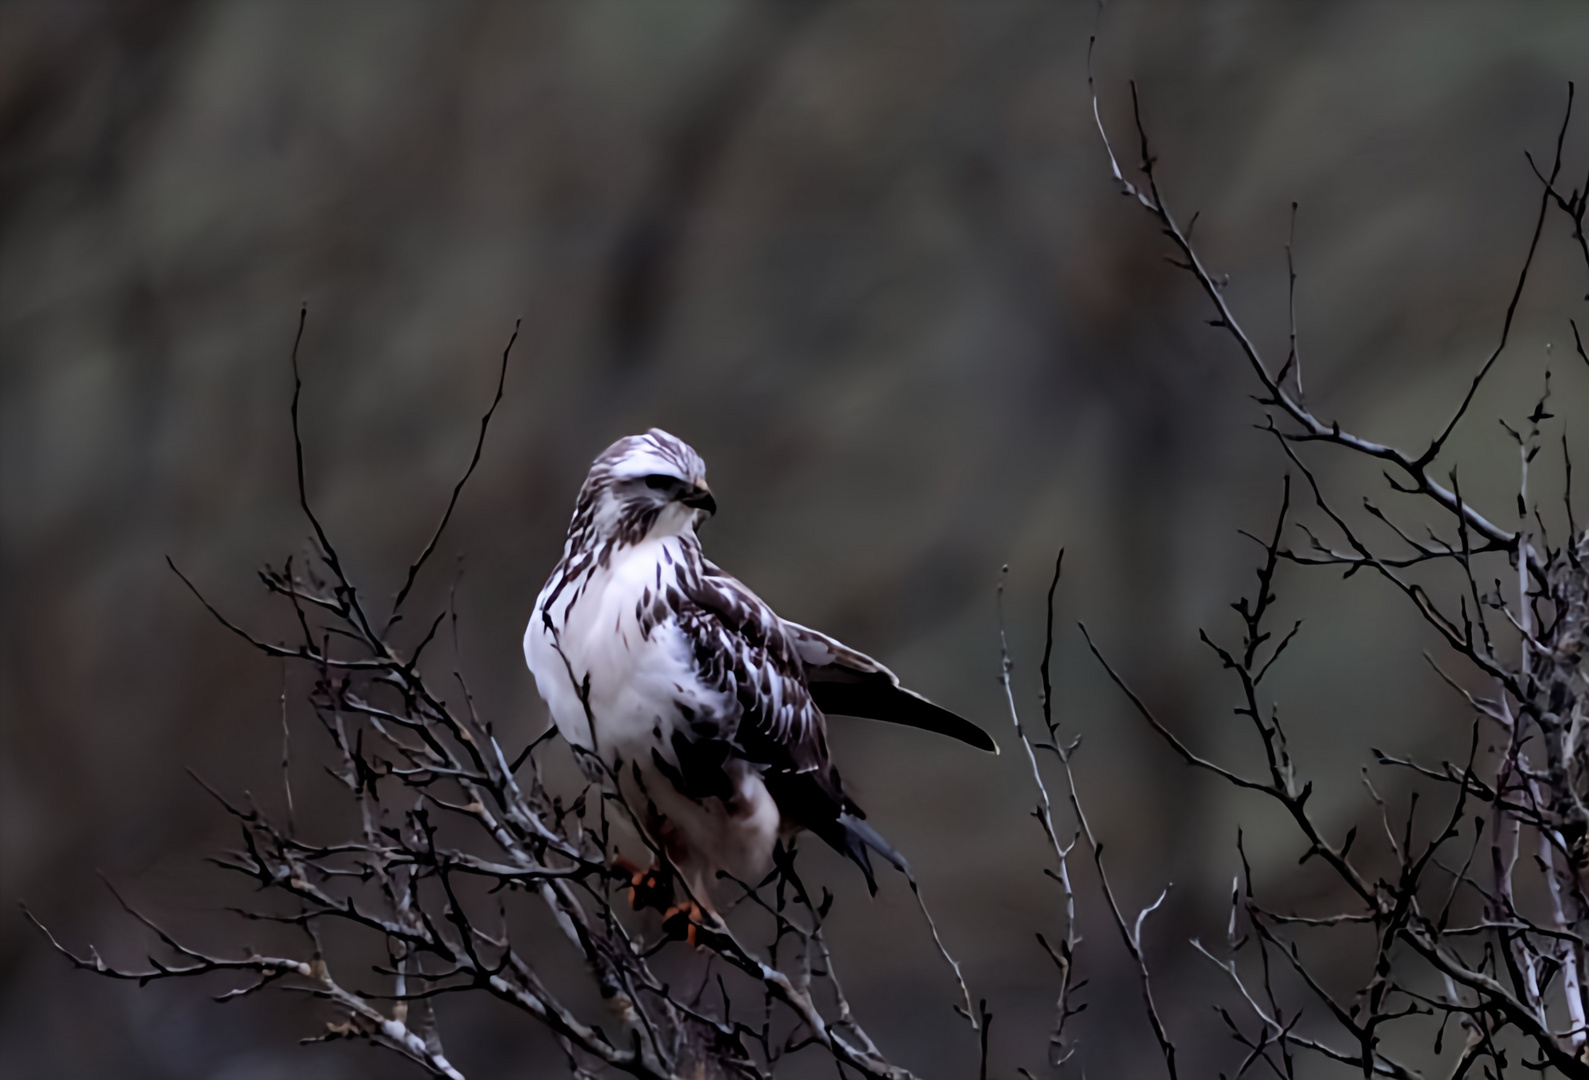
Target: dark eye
[(661, 482)]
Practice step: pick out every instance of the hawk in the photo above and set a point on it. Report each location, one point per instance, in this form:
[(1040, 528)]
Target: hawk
[(673, 680)]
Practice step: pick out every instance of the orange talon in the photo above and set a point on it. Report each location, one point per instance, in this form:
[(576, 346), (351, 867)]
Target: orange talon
[(647, 888), (693, 919)]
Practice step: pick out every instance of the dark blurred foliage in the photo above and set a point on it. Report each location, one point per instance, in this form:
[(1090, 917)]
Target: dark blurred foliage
[(867, 258)]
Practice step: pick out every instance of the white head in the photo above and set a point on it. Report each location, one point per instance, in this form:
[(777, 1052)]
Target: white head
[(641, 486)]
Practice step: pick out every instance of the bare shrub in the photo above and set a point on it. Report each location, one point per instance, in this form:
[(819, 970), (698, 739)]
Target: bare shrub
[(1474, 916), (1473, 913)]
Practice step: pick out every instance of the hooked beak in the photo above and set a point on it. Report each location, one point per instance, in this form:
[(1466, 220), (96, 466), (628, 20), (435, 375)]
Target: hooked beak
[(699, 498)]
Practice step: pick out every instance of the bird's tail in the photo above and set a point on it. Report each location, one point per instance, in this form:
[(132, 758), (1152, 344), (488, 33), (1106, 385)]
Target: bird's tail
[(858, 836), (815, 800)]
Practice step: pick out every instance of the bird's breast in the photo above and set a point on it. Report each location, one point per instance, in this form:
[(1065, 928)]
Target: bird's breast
[(610, 659)]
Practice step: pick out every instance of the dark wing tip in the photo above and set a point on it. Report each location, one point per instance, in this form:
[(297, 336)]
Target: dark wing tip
[(958, 727), (924, 714), (896, 705), (980, 739)]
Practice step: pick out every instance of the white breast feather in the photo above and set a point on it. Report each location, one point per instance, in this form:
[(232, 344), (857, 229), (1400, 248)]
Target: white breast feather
[(637, 678)]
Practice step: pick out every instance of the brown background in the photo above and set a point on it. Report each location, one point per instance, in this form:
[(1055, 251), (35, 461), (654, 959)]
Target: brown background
[(868, 260)]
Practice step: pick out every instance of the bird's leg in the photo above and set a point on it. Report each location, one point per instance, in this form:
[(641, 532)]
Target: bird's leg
[(653, 888), (692, 916)]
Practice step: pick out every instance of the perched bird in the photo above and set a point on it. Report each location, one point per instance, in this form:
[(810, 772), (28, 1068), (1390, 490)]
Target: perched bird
[(675, 681)]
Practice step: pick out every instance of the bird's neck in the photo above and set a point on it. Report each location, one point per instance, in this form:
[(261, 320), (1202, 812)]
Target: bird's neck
[(593, 549)]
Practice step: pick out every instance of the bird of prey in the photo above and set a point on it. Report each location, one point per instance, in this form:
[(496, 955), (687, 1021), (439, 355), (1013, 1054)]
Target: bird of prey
[(673, 680)]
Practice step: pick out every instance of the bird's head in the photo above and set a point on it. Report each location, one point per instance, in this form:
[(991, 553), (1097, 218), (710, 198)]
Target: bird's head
[(642, 486)]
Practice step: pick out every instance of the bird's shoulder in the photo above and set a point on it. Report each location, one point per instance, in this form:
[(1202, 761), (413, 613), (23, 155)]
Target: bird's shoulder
[(732, 603), (741, 646)]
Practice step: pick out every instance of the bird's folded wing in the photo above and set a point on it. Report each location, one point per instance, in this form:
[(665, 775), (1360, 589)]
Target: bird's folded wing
[(849, 683), (741, 649)]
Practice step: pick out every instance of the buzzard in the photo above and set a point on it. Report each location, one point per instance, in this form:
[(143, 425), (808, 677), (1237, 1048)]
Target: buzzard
[(674, 681)]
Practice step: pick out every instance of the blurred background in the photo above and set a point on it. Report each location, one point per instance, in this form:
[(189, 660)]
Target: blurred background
[(868, 259)]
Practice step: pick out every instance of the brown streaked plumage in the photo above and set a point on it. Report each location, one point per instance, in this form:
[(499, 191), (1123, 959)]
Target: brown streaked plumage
[(676, 681)]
